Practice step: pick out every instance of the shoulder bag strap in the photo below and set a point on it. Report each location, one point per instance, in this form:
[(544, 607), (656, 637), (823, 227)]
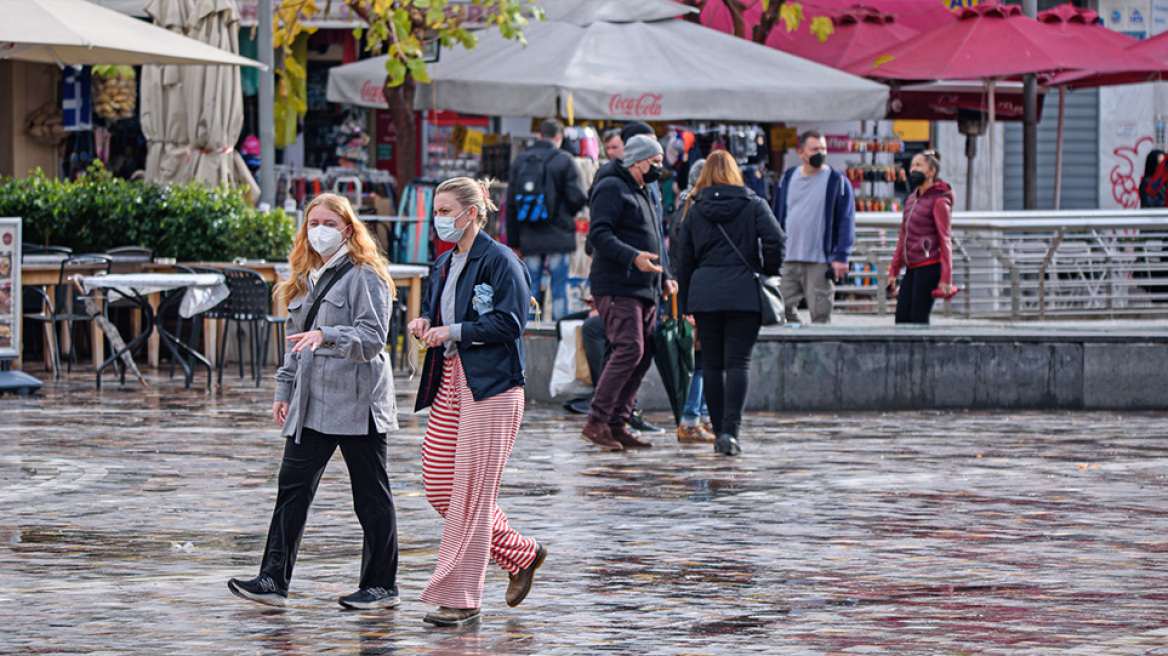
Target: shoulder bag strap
[(339, 273), (740, 255)]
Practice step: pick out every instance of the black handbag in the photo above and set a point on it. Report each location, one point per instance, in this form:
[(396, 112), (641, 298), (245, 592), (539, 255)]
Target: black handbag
[(769, 297)]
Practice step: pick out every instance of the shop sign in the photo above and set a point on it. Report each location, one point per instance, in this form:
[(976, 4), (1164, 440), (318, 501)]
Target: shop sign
[(646, 104), (467, 141), (9, 288)]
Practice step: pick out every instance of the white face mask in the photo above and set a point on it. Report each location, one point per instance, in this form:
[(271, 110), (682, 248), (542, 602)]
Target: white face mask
[(325, 240), (445, 227)]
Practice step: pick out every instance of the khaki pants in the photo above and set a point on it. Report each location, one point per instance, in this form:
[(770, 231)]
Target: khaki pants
[(807, 280)]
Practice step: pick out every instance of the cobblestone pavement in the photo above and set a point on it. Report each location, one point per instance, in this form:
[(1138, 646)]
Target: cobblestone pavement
[(124, 512)]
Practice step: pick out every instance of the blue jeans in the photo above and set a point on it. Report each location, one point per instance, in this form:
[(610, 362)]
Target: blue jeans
[(695, 402), (557, 265)]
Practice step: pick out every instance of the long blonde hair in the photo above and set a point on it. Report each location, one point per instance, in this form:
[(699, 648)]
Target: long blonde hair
[(720, 169), (363, 250)]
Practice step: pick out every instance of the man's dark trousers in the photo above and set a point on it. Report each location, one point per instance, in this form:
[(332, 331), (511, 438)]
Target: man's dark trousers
[(628, 325)]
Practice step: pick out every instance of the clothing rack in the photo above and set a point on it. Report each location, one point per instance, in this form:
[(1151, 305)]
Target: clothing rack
[(304, 183)]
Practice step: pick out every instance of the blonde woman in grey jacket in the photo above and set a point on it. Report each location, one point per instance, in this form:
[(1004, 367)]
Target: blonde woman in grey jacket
[(334, 389)]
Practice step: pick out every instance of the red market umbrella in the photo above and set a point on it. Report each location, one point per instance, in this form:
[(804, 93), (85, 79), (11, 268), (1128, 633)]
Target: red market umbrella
[(916, 15), (858, 33), (987, 42), (1123, 65)]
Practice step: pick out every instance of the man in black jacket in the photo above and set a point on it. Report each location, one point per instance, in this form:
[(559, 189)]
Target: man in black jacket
[(626, 281), (548, 244)]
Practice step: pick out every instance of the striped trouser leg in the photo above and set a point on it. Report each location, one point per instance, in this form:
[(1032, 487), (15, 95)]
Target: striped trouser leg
[(466, 446)]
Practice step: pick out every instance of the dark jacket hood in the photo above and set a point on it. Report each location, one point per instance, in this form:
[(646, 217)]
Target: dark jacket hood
[(722, 203)]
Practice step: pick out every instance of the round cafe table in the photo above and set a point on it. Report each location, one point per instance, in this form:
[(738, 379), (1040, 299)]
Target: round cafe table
[(201, 292)]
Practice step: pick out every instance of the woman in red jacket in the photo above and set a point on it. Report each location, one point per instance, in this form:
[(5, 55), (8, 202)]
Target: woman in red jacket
[(925, 246)]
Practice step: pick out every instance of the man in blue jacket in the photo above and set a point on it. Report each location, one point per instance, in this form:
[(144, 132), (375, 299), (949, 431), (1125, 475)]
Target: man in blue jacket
[(626, 280), (814, 205)]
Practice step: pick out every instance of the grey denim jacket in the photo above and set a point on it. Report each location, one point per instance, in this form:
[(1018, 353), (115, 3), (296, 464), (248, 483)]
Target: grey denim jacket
[(348, 379)]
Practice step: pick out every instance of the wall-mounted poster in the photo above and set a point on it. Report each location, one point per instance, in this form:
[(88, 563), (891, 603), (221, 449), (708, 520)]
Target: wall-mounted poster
[(9, 288)]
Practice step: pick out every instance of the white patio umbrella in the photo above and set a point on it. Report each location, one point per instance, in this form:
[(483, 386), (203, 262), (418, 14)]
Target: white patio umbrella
[(215, 102), (163, 110), (76, 32), (661, 70)]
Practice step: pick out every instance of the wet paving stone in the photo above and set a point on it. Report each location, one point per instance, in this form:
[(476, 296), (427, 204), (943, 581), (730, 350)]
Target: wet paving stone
[(124, 512)]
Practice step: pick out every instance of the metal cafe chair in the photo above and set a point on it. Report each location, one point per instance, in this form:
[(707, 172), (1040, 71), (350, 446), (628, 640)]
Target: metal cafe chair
[(61, 306), (248, 304)]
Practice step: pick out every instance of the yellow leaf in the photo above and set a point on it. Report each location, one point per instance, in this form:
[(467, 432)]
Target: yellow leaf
[(821, 27), (882, 60), (791, 14)]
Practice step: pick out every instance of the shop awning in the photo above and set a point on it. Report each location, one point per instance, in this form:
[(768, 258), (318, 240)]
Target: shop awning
[(663, 70), (76, 32)]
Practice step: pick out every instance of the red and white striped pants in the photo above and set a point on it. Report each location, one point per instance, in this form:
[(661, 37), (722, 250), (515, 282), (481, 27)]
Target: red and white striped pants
[(466, 447)]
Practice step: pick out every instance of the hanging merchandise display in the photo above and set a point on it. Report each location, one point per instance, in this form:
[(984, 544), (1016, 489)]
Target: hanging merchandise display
[(352, 141), (413, 245), (877, 175), (115, 92)]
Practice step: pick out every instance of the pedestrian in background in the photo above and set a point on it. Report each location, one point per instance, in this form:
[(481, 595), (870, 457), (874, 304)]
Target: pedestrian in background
[(813, 203), (924, 246), (725, 223), (1154, 184), (334, 389), (472, 322), (614, 144), (626, 281), (548, 240), (695, 423)]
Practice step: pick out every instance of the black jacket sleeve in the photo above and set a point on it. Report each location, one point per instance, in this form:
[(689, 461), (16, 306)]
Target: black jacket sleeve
[(771, 236)]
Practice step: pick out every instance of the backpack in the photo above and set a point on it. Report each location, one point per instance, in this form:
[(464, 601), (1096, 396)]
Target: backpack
[(533, 189)]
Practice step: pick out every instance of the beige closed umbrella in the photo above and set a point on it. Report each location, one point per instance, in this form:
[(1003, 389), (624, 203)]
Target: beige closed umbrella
[(214, 102), (163, 105)]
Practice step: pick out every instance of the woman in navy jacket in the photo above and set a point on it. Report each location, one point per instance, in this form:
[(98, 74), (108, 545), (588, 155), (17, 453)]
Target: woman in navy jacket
[(472, 323)]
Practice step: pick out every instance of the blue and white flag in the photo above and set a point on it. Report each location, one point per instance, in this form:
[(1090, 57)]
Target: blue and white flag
[(77, 98)]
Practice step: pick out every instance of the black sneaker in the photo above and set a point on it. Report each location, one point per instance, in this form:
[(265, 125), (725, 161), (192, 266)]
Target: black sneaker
[(637, 422), (262, 589), (371, 599), (727, 445)]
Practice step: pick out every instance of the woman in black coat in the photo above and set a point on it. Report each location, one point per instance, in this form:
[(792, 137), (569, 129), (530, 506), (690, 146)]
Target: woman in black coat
[(719, 290)]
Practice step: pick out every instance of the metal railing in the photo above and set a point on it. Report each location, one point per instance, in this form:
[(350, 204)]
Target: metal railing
[(1029, 265)]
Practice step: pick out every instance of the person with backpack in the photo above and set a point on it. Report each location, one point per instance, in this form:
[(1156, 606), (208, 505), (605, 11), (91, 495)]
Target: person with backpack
[(334, 389), (544, 193)]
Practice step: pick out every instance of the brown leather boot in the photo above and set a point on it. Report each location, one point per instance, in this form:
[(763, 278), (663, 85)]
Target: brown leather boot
[(599, 434), (622, 435)]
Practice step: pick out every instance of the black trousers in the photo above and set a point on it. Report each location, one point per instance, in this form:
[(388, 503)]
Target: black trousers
[(727, 343), (914, 302), (300, 474)]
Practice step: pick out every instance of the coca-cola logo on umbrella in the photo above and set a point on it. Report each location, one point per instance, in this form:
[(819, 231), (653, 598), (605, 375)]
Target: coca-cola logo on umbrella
[(646, 104), (372, 93)]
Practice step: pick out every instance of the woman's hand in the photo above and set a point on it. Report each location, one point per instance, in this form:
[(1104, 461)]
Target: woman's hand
[(436, 336), (280, 412), (946, 289), (308, 340), (419, 326)]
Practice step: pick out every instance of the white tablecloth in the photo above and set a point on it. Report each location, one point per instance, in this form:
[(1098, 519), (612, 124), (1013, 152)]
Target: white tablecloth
[(204, 290)]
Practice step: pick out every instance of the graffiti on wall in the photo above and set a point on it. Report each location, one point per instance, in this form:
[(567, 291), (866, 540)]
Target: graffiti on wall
[(1125, 175)]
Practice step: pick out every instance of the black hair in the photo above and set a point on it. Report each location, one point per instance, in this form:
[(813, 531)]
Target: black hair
[(807, 135), (550, 129), (1151, 162)]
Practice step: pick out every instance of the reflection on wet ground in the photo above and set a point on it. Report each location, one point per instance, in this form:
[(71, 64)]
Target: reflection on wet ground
[(905, 533)]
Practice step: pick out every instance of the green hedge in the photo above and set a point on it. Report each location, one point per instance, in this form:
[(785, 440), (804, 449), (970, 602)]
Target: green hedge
[(187, 222)]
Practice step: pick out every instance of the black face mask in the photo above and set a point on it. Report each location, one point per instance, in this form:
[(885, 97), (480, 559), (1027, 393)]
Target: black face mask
[(916, 179), (817, 160), (653, 174)]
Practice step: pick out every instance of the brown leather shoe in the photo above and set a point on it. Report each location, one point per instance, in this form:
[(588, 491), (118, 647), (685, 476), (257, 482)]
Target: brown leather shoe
[(521, 581), (599, 434), (452, 616), (622, 435)]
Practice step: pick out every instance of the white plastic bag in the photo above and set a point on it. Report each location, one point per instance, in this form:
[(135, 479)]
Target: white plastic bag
[(563, 379)]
